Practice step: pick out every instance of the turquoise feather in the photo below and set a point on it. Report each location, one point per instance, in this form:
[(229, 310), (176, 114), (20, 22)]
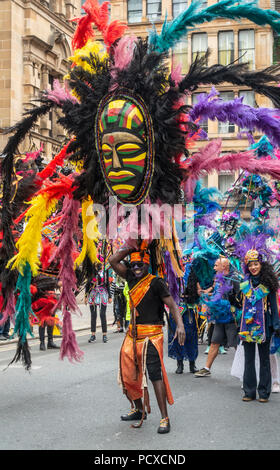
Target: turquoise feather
[(173, 31), (23, 305)]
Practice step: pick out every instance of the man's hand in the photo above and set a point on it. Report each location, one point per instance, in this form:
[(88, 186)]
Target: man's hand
[(110, 300), (174, 310), (180, 334)]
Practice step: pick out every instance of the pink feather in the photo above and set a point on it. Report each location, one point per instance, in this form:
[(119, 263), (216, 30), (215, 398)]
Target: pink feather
[(32, 155), (176, 74), (9, 310), (208, 160), (69, 346), (59, 94), (123, 52), (67, 299)]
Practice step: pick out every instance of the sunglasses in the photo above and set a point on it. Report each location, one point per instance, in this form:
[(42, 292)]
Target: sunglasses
[(138, 264)]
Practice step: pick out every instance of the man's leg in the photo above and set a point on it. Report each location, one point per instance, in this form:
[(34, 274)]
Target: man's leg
[(217, 339), (213, 353), (159, 389)]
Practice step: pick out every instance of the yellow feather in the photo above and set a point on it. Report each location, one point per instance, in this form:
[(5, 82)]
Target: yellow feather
[(90, 234), (29, 243)]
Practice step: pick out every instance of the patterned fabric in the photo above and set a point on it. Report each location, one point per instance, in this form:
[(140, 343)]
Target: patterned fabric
[(252, 327), (98, 295), (133, 383), (189, 351)]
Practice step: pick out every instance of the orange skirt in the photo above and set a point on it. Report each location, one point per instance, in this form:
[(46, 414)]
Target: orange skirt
[(133, 379)]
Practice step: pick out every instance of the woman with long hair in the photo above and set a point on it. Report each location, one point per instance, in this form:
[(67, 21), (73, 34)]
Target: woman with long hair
[(189, 350), (260, 319)]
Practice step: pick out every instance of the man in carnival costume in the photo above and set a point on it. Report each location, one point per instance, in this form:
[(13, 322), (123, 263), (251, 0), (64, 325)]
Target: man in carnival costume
[(129, 132), (142, 348), (222, 303)]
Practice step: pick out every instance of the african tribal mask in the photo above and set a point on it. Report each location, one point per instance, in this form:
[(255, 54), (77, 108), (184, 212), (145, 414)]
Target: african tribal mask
[(125, 147)]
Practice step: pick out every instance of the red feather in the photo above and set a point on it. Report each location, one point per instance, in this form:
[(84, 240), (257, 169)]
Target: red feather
[(48, 248), (58, 160), (43, 310), (114, 31)]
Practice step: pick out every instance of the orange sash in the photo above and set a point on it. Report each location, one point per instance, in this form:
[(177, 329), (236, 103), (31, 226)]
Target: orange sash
[(133, 381), (138, 292)]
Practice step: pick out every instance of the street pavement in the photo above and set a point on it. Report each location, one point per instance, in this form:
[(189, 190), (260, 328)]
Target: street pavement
[(77, 406)]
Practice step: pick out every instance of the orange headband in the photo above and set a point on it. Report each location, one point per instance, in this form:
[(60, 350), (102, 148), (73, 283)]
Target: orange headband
[(140, 256)]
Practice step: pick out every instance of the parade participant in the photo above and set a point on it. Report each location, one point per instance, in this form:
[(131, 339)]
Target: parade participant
[(44, 300), (142, 348), (189, 350), (220, 305), (260, 318), (98, 295), (119, 303)]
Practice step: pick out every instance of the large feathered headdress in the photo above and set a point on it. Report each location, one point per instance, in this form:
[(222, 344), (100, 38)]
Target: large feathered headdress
[(129, 133)]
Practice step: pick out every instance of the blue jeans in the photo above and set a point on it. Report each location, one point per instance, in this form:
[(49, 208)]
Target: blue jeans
[(4, 329)]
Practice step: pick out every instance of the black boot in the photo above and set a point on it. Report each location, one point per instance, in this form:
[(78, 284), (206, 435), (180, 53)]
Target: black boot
[(42, 338), (180, 366), (51, 344), (193, 368)]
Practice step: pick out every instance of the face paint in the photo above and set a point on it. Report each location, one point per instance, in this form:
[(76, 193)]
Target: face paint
[(125, 147)]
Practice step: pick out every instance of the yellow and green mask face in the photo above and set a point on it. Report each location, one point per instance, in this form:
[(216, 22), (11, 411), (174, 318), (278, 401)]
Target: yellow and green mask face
[(125, 147)]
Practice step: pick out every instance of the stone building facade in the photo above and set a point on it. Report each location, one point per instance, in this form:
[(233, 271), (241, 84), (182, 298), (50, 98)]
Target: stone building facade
[(35, 41)]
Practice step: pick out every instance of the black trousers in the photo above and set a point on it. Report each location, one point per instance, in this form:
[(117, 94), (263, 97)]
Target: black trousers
[(153, 363), (93, 312), (249, 377), (49, 333)]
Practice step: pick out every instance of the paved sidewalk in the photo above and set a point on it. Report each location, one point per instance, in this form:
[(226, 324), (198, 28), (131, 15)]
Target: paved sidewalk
[(79, 322)]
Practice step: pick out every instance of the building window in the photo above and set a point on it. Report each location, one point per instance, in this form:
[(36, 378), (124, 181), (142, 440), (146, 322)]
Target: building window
[(178, 6), (154, 9), (134, 11), (225, 181), (180, 55), (199, 45), (246, 47), (204, 124), (226, 127), (248, 97), (226, 47)]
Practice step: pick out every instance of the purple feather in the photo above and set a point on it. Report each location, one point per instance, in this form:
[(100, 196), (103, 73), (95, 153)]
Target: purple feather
[(254, 242), (171, 278), (262, 119), (206, 221), (223, 287)]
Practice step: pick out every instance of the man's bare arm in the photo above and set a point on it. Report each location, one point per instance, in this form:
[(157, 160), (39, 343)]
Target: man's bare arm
[(116, 258)]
